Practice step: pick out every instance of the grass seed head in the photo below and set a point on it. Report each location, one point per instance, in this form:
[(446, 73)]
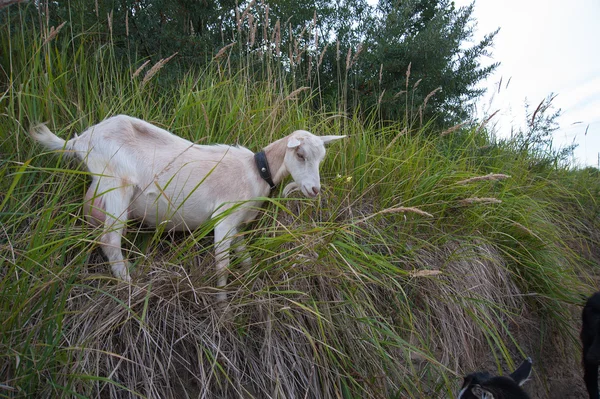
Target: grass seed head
[(452, 129), (488, 177), (155, 68), (482, 201), (53, 32), (221, 52), (139, 70)]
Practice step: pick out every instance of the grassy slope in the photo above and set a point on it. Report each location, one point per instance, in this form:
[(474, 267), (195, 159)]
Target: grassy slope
[(394, 283)]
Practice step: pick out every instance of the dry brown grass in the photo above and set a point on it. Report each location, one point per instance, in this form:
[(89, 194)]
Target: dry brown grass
[(473, 284), (165, 338)]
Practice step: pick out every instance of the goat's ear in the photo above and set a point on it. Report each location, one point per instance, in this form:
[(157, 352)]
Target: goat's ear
[(293, 143), (522, 373), (329, 139)]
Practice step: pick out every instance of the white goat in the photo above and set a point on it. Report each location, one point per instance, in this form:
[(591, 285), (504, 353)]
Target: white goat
[(144, 172)]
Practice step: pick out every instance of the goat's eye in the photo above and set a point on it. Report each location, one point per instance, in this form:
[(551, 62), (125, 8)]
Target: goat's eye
[(301, 157)]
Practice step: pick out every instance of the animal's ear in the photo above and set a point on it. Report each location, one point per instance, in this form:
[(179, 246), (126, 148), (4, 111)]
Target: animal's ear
[(293, 143), (465, 387), (481, 393), (523, 372), (329, 139)]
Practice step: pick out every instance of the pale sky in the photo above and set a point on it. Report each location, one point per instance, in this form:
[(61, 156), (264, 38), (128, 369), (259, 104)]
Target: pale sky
[(545, 46)]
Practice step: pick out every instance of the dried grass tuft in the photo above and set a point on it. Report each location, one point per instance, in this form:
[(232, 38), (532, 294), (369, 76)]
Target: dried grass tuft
[(221, 52), (166, 338), (487, 120), (267, 21), (527, 230), (155, 68), (404, 209), (294, 95), (359, 50), (424, 273), (322, 55), (393, 141), (277, 33), (431, 94), (477, 200), (206, 120), (488, 177), (537, 109), (252, 27), (53, 32), (452, 129), (400, 209), (473, 284), (401, 92), (6, 3), (109, 18), (139, 70), (381, 97), (349, 59), (246, 11)]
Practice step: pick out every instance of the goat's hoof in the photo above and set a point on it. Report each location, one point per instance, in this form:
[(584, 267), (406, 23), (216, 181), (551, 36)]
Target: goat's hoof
[(222, 299), (122, 274)]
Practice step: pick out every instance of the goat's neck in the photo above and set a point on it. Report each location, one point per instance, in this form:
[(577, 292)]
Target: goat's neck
[(275, 153)]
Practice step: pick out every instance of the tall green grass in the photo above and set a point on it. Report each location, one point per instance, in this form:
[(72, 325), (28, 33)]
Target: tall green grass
[(409, 270)]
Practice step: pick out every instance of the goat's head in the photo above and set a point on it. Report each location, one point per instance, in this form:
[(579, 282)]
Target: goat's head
[(303, 155), (484, 386)]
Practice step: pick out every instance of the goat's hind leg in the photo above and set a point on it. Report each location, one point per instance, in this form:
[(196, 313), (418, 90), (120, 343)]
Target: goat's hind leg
[(107, 202), (93, 206)]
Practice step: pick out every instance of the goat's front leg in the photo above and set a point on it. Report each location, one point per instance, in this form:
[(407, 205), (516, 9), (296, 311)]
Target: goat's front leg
[(110, 203), (239, 247), (223, 237)]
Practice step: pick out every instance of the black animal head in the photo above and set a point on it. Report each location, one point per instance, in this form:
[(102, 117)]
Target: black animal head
[(590, 330), (484, 386), (590, 338)]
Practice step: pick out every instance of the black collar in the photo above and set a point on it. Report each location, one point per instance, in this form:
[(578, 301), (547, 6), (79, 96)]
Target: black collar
[(263, 168)]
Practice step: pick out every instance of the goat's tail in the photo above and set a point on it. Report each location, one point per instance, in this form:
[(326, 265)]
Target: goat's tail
[(43, 135)]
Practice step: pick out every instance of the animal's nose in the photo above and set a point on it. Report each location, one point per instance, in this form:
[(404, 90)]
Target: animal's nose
[(315, 190)]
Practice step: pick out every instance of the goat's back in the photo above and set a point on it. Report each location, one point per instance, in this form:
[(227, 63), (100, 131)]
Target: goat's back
[(126, 133)]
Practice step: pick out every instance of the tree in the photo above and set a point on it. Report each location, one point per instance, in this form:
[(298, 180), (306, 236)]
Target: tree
[(415, 47), (353, 54)]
